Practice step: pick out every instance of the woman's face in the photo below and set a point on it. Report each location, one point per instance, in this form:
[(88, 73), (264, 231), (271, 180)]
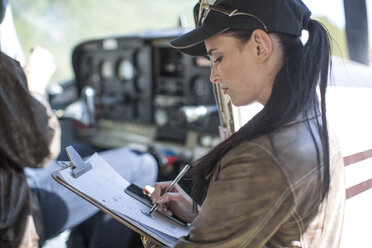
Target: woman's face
[(239, 71)]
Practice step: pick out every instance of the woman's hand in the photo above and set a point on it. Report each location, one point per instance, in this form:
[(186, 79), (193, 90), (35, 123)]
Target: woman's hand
[(176, 202)]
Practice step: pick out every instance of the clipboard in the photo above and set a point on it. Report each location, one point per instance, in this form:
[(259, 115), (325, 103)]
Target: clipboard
[(73, 181)]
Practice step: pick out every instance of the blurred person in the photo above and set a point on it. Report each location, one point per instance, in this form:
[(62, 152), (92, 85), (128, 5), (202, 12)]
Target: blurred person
[(33, 207)]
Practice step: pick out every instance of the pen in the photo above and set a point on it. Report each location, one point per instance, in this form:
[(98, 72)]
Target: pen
[(176, 180)]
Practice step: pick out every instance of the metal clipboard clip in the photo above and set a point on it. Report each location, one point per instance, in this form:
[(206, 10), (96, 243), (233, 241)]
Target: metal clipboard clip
[(79, 166)]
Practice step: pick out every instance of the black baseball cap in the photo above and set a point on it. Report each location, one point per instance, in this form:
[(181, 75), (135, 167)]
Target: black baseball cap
[(282, 16)]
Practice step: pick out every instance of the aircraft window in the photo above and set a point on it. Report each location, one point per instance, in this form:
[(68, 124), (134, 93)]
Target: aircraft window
[(60, 25)]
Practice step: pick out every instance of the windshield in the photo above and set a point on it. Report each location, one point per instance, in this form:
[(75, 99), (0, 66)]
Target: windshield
[(59, 25)]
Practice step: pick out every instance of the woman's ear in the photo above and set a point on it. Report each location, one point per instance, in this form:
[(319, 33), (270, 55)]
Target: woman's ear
[(262, 45)]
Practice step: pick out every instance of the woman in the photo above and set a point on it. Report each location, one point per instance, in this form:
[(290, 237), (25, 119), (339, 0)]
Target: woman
[(278, 181)]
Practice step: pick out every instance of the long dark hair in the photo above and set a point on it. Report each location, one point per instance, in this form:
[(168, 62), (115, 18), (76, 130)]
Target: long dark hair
[(293, 93)]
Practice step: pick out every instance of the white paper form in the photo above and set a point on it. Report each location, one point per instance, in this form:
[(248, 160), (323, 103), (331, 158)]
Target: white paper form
[(172, 241), (106, 186)]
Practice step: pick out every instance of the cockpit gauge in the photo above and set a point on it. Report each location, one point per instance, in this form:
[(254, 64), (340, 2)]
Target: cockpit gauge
[(141, 83), (200, 87), (126, 70), (161, 117), (107, 70), (141, 57)]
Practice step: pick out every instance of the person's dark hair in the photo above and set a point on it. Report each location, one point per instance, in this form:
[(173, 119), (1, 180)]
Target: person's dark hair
[(294, 93)]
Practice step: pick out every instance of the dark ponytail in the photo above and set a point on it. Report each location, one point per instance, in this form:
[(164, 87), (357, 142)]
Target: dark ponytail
[(319, 41), (293, 93)]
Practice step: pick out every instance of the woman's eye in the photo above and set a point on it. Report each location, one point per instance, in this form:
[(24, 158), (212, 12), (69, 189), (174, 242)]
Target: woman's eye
[(218, 60)]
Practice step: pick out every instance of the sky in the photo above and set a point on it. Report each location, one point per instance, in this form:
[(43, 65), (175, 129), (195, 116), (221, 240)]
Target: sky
[(334, 10)]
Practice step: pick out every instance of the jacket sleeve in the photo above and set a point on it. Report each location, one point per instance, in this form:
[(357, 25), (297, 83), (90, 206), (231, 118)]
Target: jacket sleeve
[(246, 202)]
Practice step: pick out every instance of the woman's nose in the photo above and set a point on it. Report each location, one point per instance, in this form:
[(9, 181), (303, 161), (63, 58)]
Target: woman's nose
[(214, 78)]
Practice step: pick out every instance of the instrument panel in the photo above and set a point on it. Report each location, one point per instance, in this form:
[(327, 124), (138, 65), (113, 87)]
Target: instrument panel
[(154, 94)]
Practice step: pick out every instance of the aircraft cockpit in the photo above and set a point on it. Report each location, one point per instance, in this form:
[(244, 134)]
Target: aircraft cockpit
[(137, 91)]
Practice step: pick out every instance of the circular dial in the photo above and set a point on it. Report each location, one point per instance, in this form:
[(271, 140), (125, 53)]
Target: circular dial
[(200, 87), (141, 84), (161, 117), (125, 70), (107, 70)]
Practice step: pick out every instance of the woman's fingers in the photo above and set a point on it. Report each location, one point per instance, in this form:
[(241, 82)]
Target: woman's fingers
[(164, 209), (179, 204), (148, 190), (167, 197), (176, 202), (160, 188)]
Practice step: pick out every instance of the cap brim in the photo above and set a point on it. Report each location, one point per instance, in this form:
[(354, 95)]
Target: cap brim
[(192, 43)]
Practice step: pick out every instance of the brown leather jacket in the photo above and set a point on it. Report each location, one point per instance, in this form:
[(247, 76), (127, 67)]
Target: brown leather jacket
[(29, 138), (261, 197)]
